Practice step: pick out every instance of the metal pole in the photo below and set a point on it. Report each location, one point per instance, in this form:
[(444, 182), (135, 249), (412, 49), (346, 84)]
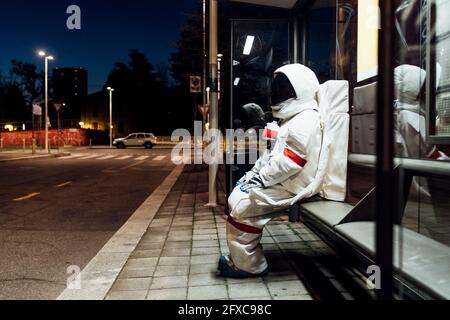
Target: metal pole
[(204, 53), (295, 39), (110, 118), (58, 139), (385, 153), (59, 130), (213, 115), (46, 105), (33, 149)]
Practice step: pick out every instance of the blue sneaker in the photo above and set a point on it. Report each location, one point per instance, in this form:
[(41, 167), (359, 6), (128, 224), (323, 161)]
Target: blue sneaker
[(228, 270)]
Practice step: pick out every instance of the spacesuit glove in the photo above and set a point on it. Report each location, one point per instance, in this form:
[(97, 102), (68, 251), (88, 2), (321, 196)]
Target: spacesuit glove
[(246, 177), (254, 182)]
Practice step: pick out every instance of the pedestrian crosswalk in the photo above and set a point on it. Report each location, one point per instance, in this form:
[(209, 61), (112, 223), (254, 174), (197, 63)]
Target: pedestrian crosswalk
[(101, 156)]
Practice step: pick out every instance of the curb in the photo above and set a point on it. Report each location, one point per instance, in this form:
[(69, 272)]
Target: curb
[(101, 272), (54, 155)]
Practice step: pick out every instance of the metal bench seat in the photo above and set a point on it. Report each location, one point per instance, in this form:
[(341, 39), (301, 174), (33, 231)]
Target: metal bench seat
[(420, 259), (328, 212)]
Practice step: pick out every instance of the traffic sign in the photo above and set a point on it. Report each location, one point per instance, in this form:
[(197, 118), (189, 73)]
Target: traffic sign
[(204, 109), (195, 84), (57, 106)]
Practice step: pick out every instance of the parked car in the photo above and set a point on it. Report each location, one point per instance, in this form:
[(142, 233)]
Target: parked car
[(147, 140)]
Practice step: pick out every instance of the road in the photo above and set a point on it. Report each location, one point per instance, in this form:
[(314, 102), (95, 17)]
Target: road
[(59, 212)]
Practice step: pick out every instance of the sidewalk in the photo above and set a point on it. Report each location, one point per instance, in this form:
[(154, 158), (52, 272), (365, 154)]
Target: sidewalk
[(177, 256), (19, 154)]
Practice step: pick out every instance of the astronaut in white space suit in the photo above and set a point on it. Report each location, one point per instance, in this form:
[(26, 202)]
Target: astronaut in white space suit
[(281, 173), (410, 124)]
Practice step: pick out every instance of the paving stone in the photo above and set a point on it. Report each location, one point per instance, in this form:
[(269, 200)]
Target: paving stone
[(127, 295), (187, 237), (204, 226), (173, 261), (169, 282), (141, 263), (127, 272), (210, 258), (248, 290), (166, 271), (185, 232), (152, 239), (267, 240), (176, 252), (254, 298), (205, 243), (181, 229), (286, 288), (149, 246), (280, 232), (205, 251), (274, 277), (177, 244), (146, 253), (205, 237), (245, 280), (204, 231), (294, 245), (132, 284), (206, 279), (168, 294), (288, 238), (202, 268), (299, 297), (207, 292)]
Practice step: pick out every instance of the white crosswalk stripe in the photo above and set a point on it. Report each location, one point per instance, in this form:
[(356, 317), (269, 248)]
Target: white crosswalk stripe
[(103, 156), (91, 156), (106, 157), (73, 156), (123, 158)]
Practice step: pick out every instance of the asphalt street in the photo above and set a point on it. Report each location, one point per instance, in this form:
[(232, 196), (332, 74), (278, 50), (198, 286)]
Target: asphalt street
[(59, 212)]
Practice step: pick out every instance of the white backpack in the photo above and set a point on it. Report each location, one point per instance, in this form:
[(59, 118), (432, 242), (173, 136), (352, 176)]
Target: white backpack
[(334, 108), (330, 181)]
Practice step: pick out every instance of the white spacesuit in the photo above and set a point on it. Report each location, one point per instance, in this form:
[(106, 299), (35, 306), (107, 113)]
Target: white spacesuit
[(410, 124), (280, 174)]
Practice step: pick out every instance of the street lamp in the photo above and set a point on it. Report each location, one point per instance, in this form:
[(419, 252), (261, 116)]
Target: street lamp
[(46, 58), (110, 115)]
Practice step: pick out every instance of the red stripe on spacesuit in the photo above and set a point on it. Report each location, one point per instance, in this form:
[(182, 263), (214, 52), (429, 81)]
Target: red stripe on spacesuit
[(270, 134), (243, 227), (294, 157), (434, 154)]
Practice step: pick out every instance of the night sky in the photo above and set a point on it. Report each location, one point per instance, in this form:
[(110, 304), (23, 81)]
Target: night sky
[(109, 29)]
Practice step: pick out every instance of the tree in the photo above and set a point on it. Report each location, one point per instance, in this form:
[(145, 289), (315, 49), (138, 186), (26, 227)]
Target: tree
[(139, 93), (26, 77), (19, 90), (187, 60)]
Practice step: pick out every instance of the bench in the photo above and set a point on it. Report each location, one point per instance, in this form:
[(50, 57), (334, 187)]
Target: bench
[(422, 264)]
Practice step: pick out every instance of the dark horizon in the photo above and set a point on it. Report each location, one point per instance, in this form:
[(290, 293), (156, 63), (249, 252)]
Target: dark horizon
[(109, 29)]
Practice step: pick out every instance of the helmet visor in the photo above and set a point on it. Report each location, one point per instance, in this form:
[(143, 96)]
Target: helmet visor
[(281, 89)]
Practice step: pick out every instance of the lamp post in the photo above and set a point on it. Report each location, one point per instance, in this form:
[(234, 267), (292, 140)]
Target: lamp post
[(110, 115), (46, 58), (213, 100)]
